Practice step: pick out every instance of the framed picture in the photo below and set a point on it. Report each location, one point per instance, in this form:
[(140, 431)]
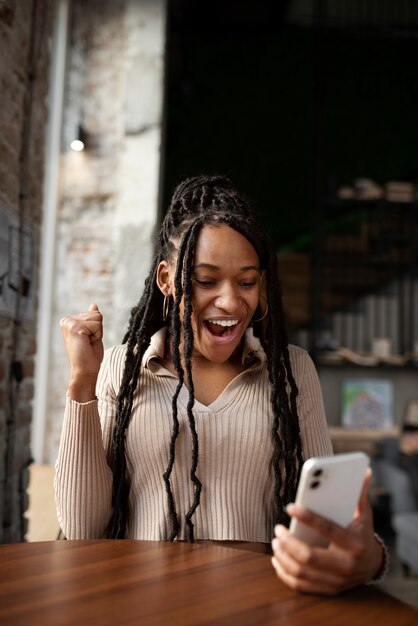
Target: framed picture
[(367, 403)]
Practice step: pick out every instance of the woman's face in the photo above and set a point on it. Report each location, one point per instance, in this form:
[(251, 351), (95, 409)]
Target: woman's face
[(226, 291)]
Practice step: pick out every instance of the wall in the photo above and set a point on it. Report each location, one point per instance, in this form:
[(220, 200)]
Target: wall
[(24, 36), (290, 113), (109, 194)]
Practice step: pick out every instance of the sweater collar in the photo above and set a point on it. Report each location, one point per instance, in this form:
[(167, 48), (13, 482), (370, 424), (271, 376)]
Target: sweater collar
[(252, 352)]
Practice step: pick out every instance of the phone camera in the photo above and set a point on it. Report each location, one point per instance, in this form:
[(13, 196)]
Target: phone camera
[(315, 484), (317, 473)]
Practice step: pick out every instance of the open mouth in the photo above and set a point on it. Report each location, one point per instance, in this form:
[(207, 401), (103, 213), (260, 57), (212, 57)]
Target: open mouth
[(222, 328)]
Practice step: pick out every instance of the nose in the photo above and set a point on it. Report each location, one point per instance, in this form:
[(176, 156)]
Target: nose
[(228, 299)]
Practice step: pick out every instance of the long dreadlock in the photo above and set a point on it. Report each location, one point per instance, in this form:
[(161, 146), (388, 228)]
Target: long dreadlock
[(196, 202)]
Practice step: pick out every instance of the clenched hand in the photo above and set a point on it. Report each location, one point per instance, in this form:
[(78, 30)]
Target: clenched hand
[(83, 335)]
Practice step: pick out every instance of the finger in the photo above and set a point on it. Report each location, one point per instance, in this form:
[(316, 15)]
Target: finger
[(92, 330), (97, 335), (91, 314), (311, 561), (299, 584), (363, 502), (290, 565), (77, 326), (333, 532), (88, 316), (320, 568), (309, 572)]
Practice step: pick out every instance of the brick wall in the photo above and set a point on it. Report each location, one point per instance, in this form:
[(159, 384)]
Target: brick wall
[(108, 197), (108, 200), (25, 28)]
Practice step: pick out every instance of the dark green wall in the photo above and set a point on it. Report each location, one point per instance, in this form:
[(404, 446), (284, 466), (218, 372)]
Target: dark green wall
[(289, 113)]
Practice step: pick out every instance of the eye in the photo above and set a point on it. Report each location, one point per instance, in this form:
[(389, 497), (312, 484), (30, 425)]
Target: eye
[(249, 282), (204, 283)]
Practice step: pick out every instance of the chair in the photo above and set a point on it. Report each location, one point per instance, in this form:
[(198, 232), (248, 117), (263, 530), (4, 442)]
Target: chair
[(406, 529), (389, 475), (403, 504), (41, 514)]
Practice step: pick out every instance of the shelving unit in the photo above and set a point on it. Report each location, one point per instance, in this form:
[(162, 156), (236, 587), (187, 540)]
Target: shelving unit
[(364, 287), (365, 276), (359, 256)]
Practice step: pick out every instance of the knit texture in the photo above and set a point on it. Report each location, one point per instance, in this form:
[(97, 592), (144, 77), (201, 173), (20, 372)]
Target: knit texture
[(235, 450)]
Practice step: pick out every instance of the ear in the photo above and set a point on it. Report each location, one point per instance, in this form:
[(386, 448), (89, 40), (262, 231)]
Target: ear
[(164, 279)]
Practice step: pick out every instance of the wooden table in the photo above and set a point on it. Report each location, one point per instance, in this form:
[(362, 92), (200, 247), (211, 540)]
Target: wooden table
[(89, 583)]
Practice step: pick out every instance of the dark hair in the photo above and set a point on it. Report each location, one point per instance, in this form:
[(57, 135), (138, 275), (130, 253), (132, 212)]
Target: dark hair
[(198, 201)]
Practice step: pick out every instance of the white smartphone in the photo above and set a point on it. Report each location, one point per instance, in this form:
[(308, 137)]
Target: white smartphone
[(331, 487)]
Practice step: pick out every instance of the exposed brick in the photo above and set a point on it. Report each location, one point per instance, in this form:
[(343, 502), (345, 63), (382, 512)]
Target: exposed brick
[(19, 342), (30, 348)]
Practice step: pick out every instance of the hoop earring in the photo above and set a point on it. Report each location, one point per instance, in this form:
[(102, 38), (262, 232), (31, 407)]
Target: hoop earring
[(166, 307), (263, 316)]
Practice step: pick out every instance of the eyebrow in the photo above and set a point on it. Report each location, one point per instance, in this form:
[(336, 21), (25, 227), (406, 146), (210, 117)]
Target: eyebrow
[(215, 268)]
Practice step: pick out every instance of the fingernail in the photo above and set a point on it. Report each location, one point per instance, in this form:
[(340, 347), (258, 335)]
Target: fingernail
[(278, 530), (290, 507)]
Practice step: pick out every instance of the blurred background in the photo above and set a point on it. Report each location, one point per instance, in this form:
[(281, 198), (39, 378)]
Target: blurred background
[(309, 106)]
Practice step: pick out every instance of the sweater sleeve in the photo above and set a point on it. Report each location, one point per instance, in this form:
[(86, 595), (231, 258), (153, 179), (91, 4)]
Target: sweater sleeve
[(83, 478), (314, 431)]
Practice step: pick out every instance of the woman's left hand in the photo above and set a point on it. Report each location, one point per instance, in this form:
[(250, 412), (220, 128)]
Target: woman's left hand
[(352, 557)]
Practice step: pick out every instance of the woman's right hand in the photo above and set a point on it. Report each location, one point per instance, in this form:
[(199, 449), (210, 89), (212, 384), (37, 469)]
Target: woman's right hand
[(83, 335)]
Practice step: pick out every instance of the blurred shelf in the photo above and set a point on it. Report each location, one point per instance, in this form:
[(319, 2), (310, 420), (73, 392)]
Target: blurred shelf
[(364, 368), (359, 439)]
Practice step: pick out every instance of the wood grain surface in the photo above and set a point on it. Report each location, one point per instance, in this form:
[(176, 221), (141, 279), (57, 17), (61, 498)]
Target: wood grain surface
[(137, 582)]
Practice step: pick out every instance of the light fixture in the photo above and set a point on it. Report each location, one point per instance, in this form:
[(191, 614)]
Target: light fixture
[(79, 142)]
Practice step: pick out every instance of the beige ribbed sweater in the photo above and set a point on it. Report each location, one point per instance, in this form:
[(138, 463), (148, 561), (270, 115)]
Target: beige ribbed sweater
[(235, 450)]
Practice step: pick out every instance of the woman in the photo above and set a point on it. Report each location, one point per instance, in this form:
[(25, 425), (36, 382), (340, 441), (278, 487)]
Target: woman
[(204, 414)]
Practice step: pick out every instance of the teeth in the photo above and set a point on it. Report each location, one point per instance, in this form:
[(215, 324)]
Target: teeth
[(224, 322)]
